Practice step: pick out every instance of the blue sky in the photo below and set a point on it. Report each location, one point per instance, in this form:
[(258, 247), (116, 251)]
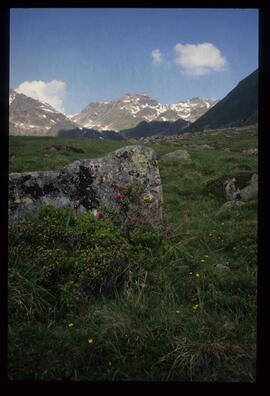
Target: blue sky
[(70, 57)]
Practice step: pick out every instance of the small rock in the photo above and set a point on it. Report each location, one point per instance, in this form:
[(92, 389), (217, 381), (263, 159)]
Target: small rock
[(252, 151), (176, 155), (233, 204), (232, 191), (205, 147), (251, 190), (222, 268)]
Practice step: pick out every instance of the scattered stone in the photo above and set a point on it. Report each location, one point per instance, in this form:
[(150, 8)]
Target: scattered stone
[(251, 190), (85, 184), (176, 155), (63, 147), (252, 151), (233, 204), (232, 192), (222, 268), (204, 147)]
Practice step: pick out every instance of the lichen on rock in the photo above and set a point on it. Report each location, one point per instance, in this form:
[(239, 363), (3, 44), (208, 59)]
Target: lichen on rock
[(87, 184)]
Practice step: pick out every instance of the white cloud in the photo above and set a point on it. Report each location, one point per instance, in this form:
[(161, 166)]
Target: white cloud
[(157, 56), (199, 59), (51, 92)]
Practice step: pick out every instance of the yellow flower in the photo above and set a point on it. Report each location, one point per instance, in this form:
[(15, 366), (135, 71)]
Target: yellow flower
[(195, 306), (70, 325), (197, 275), (202, 260), (190, 273), (90, 340), (148, 197), (206, 256)]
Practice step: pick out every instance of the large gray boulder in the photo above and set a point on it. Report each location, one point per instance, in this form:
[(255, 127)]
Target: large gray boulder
[(86, 184)]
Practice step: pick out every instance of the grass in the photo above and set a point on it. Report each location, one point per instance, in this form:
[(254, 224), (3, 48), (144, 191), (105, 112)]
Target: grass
[(177, 318)]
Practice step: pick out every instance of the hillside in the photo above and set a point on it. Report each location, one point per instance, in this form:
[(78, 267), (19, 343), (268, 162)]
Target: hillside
[(30, 117), (86, 133), (166, 128), (238, 108)]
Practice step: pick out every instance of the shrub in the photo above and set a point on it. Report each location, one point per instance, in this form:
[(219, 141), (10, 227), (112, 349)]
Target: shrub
[(73, 257)]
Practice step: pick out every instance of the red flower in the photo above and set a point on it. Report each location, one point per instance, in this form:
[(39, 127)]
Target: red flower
[(119, 196), (99, 214)]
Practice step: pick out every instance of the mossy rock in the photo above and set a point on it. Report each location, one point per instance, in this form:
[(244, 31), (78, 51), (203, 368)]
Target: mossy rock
[(215, 187)]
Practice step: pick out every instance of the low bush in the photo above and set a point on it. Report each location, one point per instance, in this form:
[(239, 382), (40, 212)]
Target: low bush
[(71, 256)]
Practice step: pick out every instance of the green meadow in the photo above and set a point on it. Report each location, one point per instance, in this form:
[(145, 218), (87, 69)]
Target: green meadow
[(90, 301)]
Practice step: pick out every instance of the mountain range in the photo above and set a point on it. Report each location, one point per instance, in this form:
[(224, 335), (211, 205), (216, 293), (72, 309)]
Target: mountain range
[(136, 115), (131, 109), (31, 117)]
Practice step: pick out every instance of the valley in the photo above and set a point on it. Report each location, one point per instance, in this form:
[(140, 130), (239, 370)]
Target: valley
[(187, 308)]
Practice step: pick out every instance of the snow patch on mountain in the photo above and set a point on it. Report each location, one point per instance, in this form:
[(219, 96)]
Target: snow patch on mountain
[(131, 109)]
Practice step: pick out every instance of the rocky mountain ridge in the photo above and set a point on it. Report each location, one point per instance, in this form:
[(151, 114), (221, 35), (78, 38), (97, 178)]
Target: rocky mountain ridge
[(30, 117), (131, 109), (238, 108)]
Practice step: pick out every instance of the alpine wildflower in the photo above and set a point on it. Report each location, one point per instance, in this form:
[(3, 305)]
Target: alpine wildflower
[(195, 306), (70, 325), (197, 275), (119, 196), (99, 214), (148, 198), (90, 340)]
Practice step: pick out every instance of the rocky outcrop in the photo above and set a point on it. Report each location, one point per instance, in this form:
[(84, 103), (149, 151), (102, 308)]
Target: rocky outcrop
[(251, 190), (86, 184), (239, 196), (232, 191), (176, 155)]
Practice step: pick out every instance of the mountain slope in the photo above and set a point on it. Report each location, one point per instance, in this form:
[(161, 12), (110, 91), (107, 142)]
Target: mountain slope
[(29, 117), (84, 133), (238, 108), (144, 129), (130, 110)]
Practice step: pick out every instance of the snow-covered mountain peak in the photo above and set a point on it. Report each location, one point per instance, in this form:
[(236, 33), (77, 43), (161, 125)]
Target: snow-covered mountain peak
[(130, 109)]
